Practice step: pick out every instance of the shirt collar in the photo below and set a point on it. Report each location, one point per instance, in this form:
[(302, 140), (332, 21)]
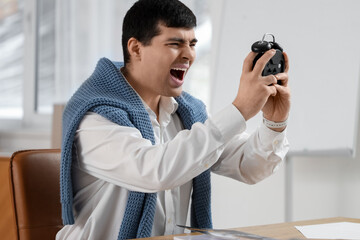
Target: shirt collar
[(167, 107), (168, 104)]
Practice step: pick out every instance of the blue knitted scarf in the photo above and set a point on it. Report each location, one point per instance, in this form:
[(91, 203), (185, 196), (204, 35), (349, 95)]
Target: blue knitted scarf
[(107, 93)]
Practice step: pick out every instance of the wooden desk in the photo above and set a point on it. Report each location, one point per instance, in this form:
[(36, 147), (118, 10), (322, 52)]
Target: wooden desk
[(280, 230)]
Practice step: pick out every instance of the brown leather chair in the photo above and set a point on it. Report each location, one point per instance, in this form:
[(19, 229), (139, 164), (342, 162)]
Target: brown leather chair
[(30, 195)]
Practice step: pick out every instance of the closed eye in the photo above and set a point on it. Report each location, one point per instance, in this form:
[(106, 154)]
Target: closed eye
[(192, 45), (173, 45)]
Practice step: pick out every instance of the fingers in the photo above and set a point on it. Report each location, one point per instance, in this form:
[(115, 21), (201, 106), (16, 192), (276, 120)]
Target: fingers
[(272, 90), (270, 79), (260, 64), (283, 77), (282, 90), (286, 62), (248, 62)]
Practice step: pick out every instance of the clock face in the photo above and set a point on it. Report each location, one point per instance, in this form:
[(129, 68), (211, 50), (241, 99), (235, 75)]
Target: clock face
[(274, 66)]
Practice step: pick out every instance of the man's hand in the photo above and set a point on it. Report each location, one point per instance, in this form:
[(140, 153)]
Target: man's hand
[(277, 106), (255, 89)]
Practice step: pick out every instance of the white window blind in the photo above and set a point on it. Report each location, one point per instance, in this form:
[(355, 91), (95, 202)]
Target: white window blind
[(11, 58)]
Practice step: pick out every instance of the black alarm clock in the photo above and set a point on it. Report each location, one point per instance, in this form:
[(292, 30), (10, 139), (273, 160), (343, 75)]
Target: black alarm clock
[(277, 63)]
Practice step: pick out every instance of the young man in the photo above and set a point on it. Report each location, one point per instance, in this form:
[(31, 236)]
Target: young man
[(137, 151)]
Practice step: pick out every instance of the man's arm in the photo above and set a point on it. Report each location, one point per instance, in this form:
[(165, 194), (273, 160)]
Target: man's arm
[(257, 92), (250, 159), (266, 148), (120, 155), (277, 107)]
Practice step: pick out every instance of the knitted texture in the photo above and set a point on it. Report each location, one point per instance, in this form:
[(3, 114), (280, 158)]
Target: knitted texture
[(107, 93)]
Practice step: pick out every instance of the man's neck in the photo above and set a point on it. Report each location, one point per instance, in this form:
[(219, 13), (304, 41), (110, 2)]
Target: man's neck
[(152, 101)]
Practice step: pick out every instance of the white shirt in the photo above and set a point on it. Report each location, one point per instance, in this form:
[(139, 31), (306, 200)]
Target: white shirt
[(109, 160)]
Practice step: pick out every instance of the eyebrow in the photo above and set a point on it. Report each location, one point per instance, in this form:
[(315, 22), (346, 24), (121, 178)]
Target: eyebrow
[(181, 40)]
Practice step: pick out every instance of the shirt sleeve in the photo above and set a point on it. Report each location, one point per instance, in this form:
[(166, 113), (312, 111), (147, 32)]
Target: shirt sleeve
[(252, 158), (120, 155)]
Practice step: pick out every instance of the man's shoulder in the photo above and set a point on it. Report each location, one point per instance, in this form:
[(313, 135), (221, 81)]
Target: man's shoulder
[(186, 97), (190, 109)]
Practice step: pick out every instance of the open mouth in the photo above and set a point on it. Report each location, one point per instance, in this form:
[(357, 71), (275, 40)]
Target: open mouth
[(178, 73)]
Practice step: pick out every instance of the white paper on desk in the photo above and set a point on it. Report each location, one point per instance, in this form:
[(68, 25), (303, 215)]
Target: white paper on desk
[(198, 237), (340, 230)]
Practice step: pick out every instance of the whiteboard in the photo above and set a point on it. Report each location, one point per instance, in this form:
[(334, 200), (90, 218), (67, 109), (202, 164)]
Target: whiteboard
[(322, 39)]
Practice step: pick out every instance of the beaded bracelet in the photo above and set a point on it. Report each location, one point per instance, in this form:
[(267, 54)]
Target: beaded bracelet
[(272, 124)]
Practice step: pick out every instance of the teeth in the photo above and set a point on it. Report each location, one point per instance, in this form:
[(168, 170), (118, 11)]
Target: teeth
[(180, 69)]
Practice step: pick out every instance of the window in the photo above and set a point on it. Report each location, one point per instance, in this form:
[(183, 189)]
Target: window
[(11, 58), (44, 57), (198, 79), (27, 62), (45, 67)]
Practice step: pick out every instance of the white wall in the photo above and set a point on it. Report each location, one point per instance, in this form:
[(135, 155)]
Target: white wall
[(324, 62), (324, 74), (318, 187), (236, 204)]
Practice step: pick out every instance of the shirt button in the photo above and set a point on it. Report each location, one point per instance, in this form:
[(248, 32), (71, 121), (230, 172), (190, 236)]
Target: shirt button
[(169, 220), (276, 142), (206, 165)]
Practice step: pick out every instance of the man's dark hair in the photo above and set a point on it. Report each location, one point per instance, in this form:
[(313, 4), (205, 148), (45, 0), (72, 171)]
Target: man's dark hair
[(142, 19)]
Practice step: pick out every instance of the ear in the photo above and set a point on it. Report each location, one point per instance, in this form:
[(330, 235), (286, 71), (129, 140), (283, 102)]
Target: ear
[(134, 47)]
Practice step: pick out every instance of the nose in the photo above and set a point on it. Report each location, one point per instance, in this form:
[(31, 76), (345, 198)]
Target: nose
[(189, 53)]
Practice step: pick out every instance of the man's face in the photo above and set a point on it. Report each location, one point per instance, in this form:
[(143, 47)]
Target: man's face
[(165, 62)]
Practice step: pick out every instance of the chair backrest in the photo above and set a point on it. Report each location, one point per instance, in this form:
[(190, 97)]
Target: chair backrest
[(7, 218), (34, 194)]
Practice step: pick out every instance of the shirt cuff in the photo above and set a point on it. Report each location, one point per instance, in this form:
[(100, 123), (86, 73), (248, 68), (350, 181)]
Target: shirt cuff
[(270, 139), (230, 122)]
